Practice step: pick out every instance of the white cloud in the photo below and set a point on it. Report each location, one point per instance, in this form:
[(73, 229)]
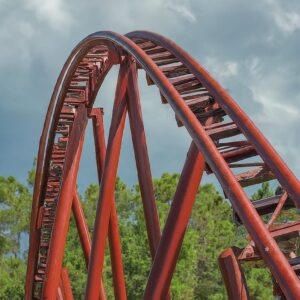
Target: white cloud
[(287, 21), (275, 109), (182, 8), (263, 45), (254, 65), (271, 91), (54, 12), (277, 118), (222, 69), (19, 51), (3, 3)]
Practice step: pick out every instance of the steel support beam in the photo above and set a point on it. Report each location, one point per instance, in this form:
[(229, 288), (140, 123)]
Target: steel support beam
[(84, 235), (107, 187), (233, 275), (142, 161), (65, 290), (82, 228), (121, 46), (113, 231), (63, 211), (170, 243)]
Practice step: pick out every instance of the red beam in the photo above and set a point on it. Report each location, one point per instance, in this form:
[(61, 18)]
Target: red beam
[(107, 186), (84, 235), (113, 232), (142, 161), (63, 210), (278, 209), (65, 290), (268, 248), (82, 228), (170, 244), (233, 275)]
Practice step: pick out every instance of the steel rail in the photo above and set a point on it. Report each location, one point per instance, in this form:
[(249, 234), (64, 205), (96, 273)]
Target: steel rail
[(267, 246), (54, 107), (284, 175), (64, 206)]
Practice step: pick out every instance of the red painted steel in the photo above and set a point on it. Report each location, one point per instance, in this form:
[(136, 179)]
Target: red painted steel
[(170, 244), (34, 232), (84, 235), (113, 232), (278, 209), (142, 161), (63, 210), (200, 105), (65, 286), (233, 275), (106, 193), (287, 179), (82, 228)]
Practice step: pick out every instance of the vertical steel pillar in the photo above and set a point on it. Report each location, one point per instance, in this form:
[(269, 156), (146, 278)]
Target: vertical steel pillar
[(142, 161), (170, 244), (233, 275), (107, 186), (84, 235), (113, 232), (82, 228), (63, 211), (64, 290)]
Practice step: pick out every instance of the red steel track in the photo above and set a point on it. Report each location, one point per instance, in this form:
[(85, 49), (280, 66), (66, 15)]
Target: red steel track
[(224, 141)]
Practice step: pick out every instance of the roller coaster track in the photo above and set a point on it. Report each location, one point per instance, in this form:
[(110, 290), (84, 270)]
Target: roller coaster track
[(224, 142)]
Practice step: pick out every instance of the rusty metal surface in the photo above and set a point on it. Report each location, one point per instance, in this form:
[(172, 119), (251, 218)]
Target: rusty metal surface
[(223, 138)]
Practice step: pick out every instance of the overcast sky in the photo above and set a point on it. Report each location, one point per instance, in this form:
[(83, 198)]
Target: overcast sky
[(251, 47)]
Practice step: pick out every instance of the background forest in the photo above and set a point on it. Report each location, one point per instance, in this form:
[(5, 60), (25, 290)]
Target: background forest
[(197, 276)]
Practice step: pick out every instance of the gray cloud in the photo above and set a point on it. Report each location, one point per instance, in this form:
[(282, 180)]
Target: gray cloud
[(252, 48)]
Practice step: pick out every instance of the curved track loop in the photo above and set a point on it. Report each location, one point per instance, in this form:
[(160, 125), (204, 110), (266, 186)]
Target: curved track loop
[(222, 135)]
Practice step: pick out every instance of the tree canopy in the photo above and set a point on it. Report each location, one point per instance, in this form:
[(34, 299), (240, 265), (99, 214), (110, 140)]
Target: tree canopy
[(210, 230)]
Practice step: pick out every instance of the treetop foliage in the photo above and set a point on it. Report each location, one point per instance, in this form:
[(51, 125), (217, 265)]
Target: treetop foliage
[(210, 231)]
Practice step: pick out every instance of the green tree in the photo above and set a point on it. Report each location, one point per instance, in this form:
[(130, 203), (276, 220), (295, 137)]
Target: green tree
[(184, 279), (210, 230), (74, 262), (212, 222), (15, 204), (12, 278), (31, 174), (263, 192), (15, 201)]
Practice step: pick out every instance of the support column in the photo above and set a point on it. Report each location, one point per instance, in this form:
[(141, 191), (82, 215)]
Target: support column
[(142, 161), (113, 231), (233, 275), (107, 186), (82, 228), (170, 243), (63, 210), (64, 290), (84, 235)]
